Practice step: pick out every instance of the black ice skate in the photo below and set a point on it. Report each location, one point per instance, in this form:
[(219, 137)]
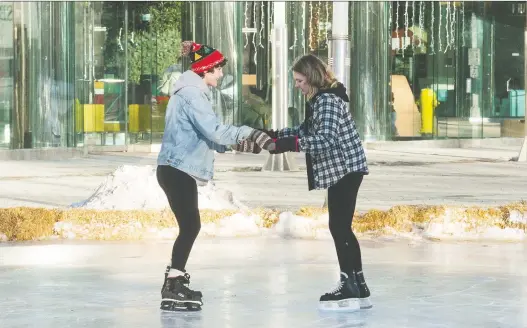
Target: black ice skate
[(345, 297), (175, 294), (364, 291)]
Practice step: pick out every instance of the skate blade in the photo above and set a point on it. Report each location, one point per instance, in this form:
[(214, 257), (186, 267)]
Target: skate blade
[(173, 306), (346, 305), (365, 303)]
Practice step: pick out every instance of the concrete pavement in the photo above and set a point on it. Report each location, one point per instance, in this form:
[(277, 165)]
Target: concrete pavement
[(472, 176)]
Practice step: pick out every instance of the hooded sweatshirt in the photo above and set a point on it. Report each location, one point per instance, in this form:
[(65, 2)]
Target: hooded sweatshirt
[(193, 131)]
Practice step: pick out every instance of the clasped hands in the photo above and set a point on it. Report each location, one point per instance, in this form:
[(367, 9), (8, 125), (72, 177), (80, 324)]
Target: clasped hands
[(281, 145), (268, 140)]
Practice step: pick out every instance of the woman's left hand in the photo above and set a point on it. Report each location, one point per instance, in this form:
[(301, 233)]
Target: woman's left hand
[(283, 145)]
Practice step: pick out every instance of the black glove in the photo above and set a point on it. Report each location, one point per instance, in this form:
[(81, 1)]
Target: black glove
[(261, 139), (271, 133), (285, 144)]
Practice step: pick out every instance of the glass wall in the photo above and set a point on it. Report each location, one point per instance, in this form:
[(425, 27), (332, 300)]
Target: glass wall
[(100, 73), (131, 57), (100, 88), (458, 69), (204, 25), (42, 61), (6, 73), (154, 45), (369, 57)]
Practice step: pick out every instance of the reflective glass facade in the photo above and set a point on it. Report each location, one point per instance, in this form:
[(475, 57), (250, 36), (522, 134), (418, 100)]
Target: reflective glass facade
[(98, 74), (457, 68)]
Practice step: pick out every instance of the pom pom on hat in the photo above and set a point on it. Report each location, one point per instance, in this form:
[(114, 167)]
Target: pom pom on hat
[(202, 57), (186, 47)]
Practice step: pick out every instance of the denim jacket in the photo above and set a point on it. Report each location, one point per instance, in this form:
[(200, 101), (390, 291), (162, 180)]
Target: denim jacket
[(193, 131)]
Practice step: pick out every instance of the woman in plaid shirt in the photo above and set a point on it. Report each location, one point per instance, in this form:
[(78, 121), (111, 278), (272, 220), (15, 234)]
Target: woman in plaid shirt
[(335, 161)]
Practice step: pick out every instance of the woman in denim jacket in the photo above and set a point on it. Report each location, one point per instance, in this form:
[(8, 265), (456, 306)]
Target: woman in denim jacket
[(192, 134)]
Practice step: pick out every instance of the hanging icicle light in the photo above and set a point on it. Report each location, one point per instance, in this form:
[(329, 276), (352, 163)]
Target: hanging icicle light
[(440, 45), (413, 26), (447, 27), (397, 23), (119, 39), (326, 4), (390, 19), (246, 17), (255, 9), (452, 28), (311, 41), (294, 42), (463, 23), (303, 26), (421, 24), (432, 45), (319, 18), (405, 26), (262, 24)]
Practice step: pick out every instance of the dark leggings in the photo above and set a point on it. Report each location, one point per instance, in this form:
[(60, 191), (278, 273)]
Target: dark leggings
[(342, 198), (182, 194)]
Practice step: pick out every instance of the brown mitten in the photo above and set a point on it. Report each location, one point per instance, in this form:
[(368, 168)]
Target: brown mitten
[(247, 146), (262, 139)]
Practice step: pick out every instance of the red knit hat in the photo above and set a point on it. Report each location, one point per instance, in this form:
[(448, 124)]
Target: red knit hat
[(202, 57)]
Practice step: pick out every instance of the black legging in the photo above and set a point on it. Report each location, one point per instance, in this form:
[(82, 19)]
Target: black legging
[(342, 198), (182, 194)]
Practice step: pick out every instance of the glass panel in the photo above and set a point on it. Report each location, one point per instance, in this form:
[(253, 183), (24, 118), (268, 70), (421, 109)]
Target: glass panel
[(370, 73), (256, 85), (223, 32), (6, 72), (319, 16), (464, 65), (508, 55), (107, 108), (153, 61), (83, 69), (44, 108)]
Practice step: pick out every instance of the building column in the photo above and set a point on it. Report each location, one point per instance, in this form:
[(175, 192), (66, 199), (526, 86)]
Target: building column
[(522, 157), (339, 56), (285, 161), (370, 69)]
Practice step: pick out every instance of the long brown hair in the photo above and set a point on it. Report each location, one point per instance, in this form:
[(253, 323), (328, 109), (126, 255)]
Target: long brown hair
[(318, 75)]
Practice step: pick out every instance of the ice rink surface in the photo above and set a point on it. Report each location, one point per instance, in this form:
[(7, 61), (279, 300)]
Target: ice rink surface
[(263, 282)]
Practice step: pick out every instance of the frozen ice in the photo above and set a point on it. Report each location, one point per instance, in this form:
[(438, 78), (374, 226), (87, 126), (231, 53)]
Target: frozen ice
[(263, 282)]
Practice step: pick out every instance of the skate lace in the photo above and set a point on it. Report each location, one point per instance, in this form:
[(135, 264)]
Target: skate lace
[(340, 284), (187, 276)]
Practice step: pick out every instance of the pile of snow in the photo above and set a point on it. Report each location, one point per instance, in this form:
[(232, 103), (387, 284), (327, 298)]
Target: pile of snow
[(136, 188), (295, 226), (518, 217), (237, 225), (453, 226)]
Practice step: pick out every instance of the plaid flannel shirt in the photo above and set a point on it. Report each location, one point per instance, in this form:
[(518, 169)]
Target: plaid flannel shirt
[(332, 140)]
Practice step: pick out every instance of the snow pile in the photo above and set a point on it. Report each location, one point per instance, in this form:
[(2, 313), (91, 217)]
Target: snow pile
[(295, 226), (136, 188), (454, 226), (237, 225), (518, 217)]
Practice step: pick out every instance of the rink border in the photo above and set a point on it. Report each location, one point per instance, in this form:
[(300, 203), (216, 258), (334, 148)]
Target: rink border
[(507, 222)]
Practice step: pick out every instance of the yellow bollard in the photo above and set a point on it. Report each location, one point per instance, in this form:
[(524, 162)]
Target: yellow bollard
[(428, 104)]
